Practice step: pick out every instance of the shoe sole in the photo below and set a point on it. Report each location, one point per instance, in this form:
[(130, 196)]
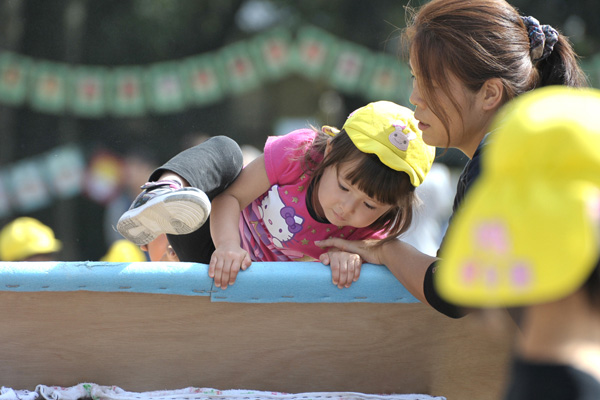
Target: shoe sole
[(179, 213)]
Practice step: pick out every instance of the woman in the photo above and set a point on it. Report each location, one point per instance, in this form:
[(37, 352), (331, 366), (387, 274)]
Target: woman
[(468, 59)]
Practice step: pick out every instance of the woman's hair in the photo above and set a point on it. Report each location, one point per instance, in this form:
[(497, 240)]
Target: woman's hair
[(476, 41), (370, 175)]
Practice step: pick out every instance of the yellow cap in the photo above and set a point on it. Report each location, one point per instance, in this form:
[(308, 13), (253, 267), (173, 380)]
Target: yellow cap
[(25, 237), (528, 230), (124, 251), (390, 131)]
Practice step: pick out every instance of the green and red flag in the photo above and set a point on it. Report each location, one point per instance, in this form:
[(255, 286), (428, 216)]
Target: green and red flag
[(387, 79), (49, 87), (202, 79), (351, 63), (240, 71), (5, 207), (126, 92), (88, 95), (592, 69), (14, 71), (272, 52), (165, 90), (313, 53)]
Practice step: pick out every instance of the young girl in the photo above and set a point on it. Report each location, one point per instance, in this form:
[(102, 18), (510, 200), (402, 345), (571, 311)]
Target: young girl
[(308, 185)]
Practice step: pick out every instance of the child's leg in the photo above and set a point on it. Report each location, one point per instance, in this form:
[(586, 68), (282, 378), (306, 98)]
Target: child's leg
[(167, 207), (210, 166)]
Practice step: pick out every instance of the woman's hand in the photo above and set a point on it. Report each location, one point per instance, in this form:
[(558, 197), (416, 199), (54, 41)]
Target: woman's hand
[(345, 267), (363, 248), (407, 264), (226, 262)]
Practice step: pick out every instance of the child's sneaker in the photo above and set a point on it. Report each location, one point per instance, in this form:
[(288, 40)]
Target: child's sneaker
[(164, 207)]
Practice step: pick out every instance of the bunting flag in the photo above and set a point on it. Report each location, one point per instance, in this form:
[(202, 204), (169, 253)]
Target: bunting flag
[(13, 78), (134, 91), (205, 84), (165, 87), (273, 53), (5, 208), (313, 53), (88, 97), (592, 68), (34, 183), (387, 79), (170, 87), (26, 183), (49, 82), (240, 70), (125, 88), (351, 63), (65, 168)]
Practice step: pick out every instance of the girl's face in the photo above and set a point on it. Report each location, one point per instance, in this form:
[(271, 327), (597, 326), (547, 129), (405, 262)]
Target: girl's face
[(342, 203), (467, 126)]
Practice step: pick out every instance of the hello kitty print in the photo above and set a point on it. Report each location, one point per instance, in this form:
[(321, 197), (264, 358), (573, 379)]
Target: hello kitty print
[(280, 220)]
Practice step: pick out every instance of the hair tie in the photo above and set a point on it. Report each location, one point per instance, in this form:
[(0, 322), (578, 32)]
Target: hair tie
[(542, 38), (330, 130)]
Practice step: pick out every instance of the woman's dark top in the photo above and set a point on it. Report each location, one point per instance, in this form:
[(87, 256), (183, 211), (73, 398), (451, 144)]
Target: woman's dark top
[(531, 381)]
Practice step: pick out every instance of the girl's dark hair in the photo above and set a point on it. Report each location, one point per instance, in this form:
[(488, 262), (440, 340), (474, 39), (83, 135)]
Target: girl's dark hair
[(476, 41), (370, 175)]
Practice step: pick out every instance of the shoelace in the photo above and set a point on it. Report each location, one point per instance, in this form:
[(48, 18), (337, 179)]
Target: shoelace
[(167, 182)]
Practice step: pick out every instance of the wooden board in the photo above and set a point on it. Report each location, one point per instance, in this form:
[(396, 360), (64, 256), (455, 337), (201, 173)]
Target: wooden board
[(142, 342)]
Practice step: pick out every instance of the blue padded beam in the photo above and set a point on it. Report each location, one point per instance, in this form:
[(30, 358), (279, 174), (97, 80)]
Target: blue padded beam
[(310, 282), (263, 282), (144, 277)]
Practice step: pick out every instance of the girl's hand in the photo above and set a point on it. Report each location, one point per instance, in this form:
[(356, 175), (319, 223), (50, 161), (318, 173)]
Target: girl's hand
[(225, 263), (363, 248), (345, 267)]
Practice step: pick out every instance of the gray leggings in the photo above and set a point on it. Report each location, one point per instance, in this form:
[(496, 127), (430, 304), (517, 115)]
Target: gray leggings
[(210, 166)]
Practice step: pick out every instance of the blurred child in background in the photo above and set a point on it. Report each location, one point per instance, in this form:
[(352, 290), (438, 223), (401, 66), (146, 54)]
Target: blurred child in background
[(28, 239)]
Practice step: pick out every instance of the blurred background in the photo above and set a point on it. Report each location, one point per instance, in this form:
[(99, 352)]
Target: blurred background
[(95, 94)]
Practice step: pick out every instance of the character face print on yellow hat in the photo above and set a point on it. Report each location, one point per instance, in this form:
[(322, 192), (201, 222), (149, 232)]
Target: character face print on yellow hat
[(399, 139), (390, 131), (528, 231)]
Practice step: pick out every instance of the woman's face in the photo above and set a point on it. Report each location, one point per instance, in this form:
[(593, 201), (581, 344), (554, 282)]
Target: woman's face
[(467, 126)]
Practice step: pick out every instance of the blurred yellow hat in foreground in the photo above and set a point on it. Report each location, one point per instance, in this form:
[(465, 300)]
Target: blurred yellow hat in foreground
[(528, 230)]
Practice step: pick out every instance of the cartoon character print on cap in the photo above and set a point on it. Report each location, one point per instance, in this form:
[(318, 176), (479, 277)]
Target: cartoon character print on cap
[(492, 236), (399, 139), (281, 220)]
